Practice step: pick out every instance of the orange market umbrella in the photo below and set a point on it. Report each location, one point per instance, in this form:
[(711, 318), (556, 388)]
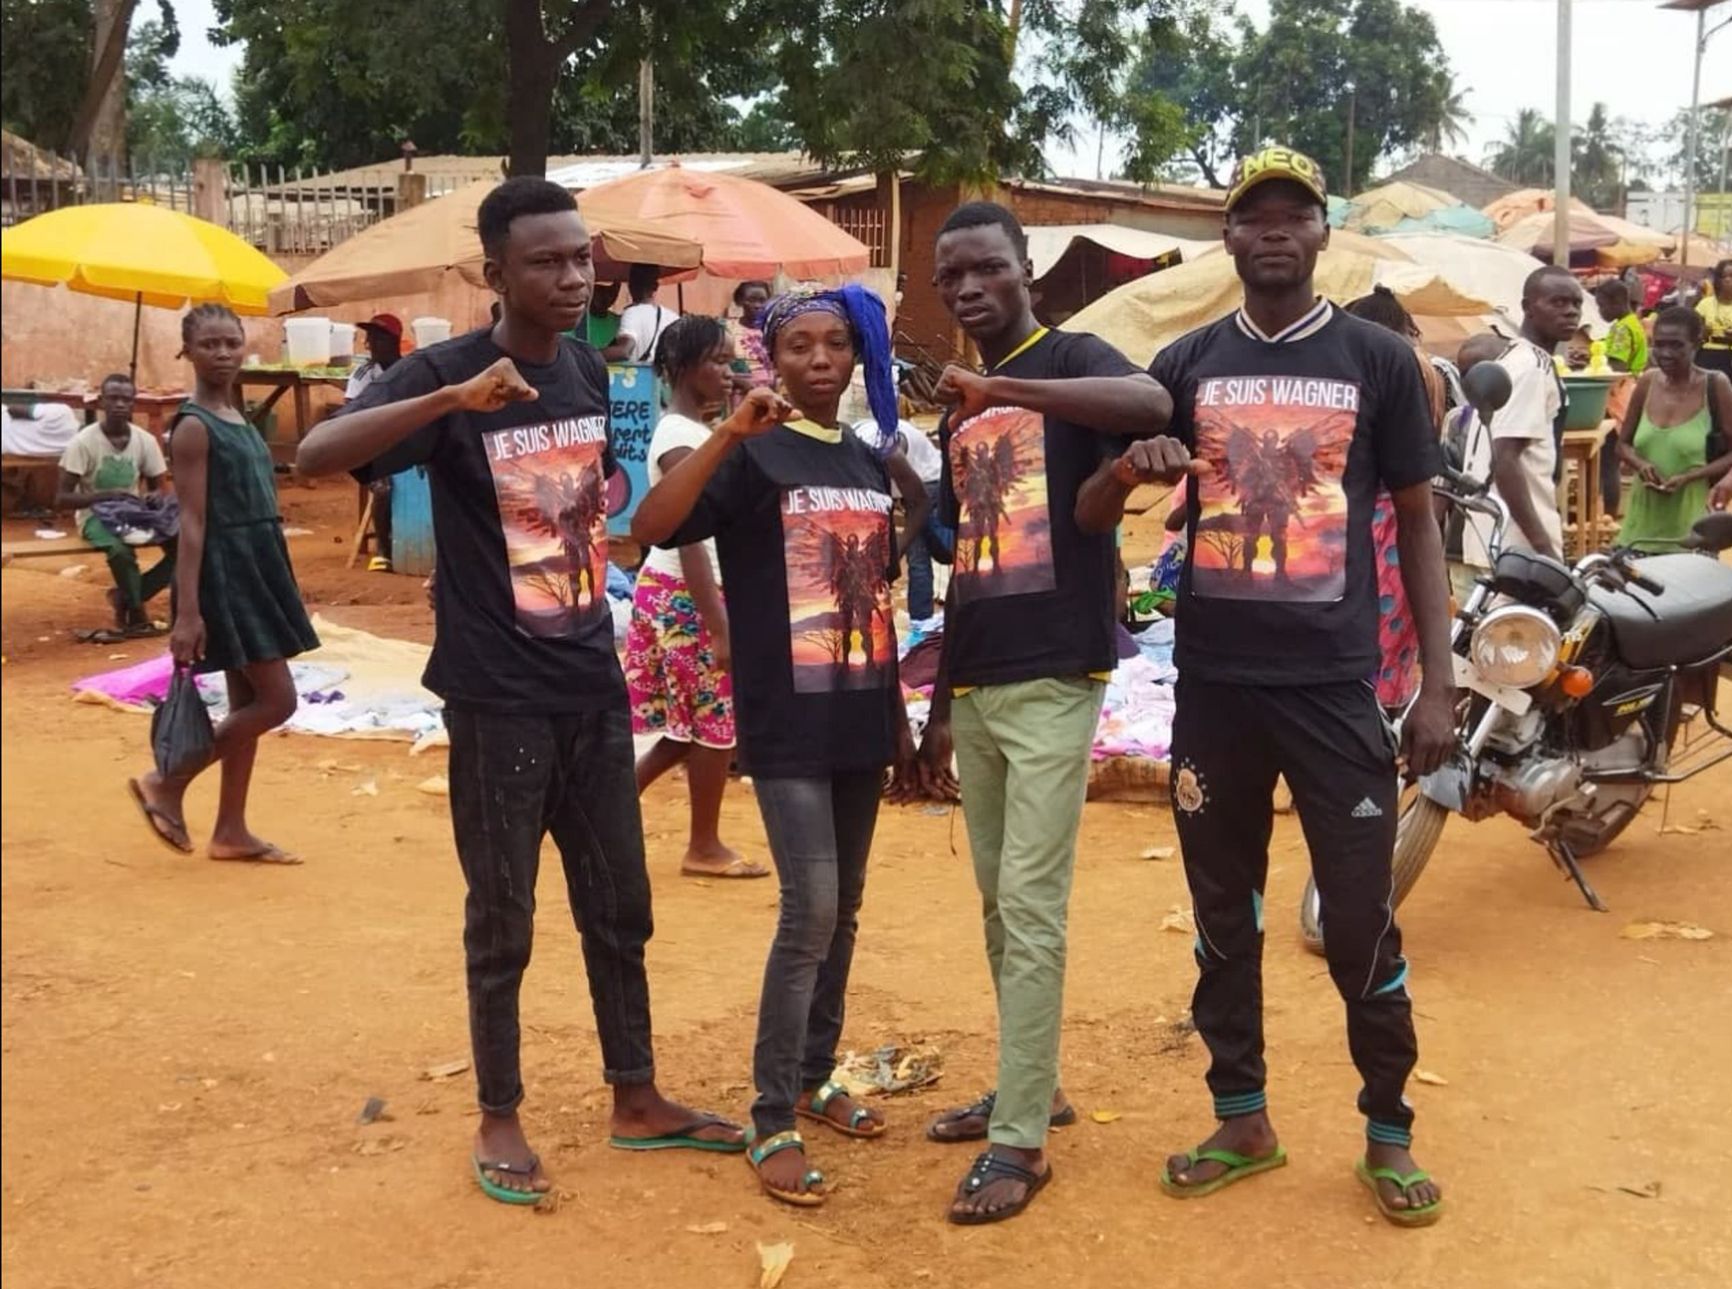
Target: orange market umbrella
[(411, 252), (747, 229)]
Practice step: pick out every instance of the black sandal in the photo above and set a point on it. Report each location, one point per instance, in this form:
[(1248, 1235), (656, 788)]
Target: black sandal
[(989, 1168), (982, 1109)]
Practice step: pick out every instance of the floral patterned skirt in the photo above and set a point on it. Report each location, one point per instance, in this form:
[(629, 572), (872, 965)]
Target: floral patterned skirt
[(677, 690)]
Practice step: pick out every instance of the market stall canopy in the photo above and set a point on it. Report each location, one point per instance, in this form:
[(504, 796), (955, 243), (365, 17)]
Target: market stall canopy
[(411, 252), (1608, 239), (1704, 255), (1047, 244), (1145, 316), (1518, 205), (1384, 208), (747, 229), (1481, 268), (140, 253), (1462, 220)]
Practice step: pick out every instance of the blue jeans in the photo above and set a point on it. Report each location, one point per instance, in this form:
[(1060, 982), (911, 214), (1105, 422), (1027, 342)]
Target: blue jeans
[(820, 831), (935, 539)]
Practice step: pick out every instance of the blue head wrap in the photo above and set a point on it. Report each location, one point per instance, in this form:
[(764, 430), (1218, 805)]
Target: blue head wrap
[(864, 313)]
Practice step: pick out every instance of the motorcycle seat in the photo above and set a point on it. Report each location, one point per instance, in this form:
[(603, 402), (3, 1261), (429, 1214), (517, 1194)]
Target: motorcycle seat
[(1689, 621)]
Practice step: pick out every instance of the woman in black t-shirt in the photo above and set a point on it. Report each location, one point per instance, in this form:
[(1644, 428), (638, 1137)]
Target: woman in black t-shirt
[(801, 514)]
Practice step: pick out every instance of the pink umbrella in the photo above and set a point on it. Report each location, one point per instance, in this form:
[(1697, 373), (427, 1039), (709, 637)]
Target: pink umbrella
[(747, 229)]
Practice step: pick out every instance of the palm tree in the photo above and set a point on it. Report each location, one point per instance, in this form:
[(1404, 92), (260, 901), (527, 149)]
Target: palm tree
[(1525, 155), (1453, 118)]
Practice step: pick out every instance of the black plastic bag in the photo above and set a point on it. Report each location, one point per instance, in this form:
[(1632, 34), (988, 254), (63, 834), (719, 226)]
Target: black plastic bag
[(180, 732)]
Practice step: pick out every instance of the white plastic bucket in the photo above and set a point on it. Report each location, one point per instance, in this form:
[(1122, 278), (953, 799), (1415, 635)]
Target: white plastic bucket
[(342, 341), (309, 341), (430, 331)]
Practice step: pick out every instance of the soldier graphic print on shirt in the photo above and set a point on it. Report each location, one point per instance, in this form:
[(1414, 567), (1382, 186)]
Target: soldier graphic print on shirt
[(840, 620), (1272, 518), (998, 469), (553, 510)]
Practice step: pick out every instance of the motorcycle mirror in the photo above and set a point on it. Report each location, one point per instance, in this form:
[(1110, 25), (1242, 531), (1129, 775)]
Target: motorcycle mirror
[(1487, 387), (1711, 533)]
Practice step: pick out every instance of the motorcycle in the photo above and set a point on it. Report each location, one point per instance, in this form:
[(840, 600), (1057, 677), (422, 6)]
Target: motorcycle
[(1574, 684)]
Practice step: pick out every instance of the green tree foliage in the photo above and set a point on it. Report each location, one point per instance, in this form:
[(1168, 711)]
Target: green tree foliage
[(1526, 154), (44, 65)]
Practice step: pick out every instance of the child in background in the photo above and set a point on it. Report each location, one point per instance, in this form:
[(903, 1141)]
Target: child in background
[(676, 659), (237, 608)]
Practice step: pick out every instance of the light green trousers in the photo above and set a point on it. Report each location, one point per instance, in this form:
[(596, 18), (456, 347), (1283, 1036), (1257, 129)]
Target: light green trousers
[(1022, 754)]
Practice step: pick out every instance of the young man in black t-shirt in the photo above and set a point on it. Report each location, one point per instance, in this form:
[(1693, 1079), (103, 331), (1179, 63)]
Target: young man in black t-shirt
[(1028, 645), (511, 423), (1297, 414)]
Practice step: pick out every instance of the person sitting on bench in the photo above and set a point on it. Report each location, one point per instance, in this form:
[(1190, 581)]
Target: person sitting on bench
[(110, 460)]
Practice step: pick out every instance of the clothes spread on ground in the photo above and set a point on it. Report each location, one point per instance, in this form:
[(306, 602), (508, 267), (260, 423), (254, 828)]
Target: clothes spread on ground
[(1300, 430), (1033, 594), (247, 594), (1533, 416), (140, 521), (801, 518), (674, 431), (520, 500), (100, 466)]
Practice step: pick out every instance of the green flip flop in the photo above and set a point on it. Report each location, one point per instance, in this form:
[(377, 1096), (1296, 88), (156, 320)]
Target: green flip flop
[(1239, 1167), (1423, 1216), (684, 1138), (504, 1194)]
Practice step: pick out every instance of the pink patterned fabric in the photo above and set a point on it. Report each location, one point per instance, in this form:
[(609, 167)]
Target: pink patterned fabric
[(676, 689)]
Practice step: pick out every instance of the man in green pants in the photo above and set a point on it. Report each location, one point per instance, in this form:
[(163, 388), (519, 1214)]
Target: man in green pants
[(107, 461), (1028, 646)]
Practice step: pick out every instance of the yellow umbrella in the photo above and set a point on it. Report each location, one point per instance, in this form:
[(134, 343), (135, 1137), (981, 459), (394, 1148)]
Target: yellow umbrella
[(139, 252), (1387, 205), (1143, 317)]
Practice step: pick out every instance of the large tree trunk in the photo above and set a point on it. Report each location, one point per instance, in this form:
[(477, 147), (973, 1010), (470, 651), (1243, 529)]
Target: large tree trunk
[(99, 133), (534, 64)]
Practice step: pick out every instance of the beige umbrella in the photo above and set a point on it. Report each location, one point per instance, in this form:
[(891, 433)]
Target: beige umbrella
[(1143, 317), (1612, 241), (412, 252), (1387, 205), (1518, 205)]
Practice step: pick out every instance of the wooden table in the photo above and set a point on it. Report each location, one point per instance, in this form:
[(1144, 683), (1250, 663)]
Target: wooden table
[(1579, 490), (280, 381)]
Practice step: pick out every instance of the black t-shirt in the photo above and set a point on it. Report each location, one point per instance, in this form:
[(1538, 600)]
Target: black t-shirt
[(801, 519), (520, 522), (1279, 585), (1032, 594)]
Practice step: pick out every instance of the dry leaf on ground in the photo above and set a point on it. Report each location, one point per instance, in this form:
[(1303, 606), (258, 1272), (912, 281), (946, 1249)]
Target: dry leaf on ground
[(1178, 920), (368, 789), (1426, 1076), (437, 786), (449, 1070), (708, 1228), (1105, 1116), (774, 1259), (1649, 1190), (1657, 930), (1158, 852)]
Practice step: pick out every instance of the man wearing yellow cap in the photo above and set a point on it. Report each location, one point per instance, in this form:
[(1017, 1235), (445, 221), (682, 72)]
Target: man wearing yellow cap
[(1298, 415)]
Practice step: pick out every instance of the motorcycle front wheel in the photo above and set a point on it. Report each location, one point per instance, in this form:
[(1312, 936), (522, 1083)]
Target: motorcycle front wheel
[(1416, 836)]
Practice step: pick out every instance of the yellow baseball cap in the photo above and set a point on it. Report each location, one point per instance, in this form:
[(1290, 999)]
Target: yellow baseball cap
[(1277, 162)]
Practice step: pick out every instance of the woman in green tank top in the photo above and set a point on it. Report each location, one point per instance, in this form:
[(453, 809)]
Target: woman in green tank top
[(1666, 437), (237, 608)]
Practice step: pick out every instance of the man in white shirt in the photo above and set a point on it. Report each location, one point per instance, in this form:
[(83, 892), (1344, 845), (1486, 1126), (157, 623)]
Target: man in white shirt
[(642, 324), (111, 460), (1520, 455)]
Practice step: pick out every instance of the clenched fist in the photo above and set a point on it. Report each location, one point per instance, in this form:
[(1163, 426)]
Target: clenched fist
[(498, 386)]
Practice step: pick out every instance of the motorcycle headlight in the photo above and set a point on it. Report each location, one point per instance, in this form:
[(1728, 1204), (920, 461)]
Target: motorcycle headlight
[(1515, 646)]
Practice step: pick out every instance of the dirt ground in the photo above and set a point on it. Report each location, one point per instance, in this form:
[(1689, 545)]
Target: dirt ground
[(187, 1045)]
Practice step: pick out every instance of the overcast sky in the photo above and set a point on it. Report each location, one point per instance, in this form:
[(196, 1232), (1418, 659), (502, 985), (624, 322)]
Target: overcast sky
[(1630, 54)]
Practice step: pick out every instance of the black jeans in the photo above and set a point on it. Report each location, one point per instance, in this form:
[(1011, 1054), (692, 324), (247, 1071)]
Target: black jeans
[(820, 831), (1337, 753), (514, 779)]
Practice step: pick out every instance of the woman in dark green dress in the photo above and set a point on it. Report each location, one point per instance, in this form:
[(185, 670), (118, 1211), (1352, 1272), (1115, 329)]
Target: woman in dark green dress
[(237, 609)]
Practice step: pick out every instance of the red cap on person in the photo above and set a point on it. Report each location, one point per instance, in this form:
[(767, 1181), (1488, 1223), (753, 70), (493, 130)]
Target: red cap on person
[(386, 322)]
